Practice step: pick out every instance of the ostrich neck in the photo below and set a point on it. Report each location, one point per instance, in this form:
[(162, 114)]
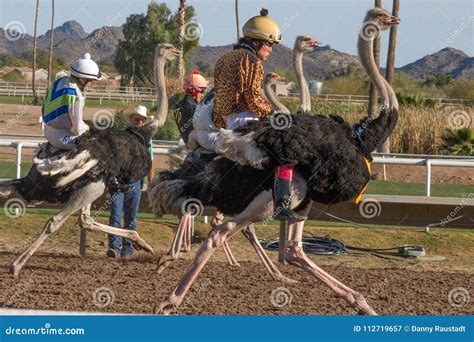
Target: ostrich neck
[(366, 54), (162, 100), (271, 96), (305, 99)]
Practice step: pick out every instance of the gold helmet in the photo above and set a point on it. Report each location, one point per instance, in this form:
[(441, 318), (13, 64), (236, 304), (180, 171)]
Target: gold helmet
[(262, 27)]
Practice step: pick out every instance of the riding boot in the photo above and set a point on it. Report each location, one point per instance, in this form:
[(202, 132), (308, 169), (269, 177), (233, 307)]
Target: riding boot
[(282, 195)]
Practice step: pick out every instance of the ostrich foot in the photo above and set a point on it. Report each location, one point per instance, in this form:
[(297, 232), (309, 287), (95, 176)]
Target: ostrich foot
[(295, 256), (165, 308), (285, 279)]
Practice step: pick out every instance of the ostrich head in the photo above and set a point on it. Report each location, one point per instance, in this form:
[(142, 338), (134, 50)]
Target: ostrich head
[(272, 78), (167, 51), (382, 18), (306, 44)]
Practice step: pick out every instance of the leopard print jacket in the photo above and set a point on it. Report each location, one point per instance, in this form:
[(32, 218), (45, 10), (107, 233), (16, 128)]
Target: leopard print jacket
[(238, 78)]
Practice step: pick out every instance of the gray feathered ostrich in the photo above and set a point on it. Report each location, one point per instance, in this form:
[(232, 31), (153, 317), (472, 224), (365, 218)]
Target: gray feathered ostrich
[(103, 159), (331, 164)]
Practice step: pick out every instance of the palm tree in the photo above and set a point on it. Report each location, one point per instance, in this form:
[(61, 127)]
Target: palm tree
[(237, 18), (458, 142), (182, 18), (373, 94), (51, 39), (35, 41), (391, 60)]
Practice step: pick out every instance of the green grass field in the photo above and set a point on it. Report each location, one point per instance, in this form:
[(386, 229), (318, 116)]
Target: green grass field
[(7, 170)]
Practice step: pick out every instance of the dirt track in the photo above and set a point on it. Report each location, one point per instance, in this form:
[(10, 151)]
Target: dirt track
[(63, 282)]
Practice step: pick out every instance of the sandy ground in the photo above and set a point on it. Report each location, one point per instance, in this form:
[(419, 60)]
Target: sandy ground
[(62, 282), (58, 278)]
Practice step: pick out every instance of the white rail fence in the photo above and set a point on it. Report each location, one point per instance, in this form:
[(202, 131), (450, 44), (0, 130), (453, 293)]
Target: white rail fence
[(162, 147), (127, 94)]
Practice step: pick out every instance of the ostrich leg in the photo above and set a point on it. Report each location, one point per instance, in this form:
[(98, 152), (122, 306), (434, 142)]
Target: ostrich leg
[(185, 224), (257, 210), (80, 199), (217, 220), (87, 222), (188, 236), (294, 255), (249, 233)]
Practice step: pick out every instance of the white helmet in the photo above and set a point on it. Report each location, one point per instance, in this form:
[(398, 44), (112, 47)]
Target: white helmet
[(85, 67)]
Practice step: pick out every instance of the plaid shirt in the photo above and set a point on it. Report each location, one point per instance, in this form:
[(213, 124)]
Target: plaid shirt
[(238, 78)]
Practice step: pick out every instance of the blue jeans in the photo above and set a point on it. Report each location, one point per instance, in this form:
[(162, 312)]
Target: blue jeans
[(124, 203)]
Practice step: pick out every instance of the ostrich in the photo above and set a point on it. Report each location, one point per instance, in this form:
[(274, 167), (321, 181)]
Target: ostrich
[(269, 80), (332, 166), (183, 235), (83, 174), (303, 44)]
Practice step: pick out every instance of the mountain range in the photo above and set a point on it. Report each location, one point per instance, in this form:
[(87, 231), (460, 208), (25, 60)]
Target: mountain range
[(71, 41)]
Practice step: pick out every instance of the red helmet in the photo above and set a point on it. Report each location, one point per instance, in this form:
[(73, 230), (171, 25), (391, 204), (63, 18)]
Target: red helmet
[(195, 84)]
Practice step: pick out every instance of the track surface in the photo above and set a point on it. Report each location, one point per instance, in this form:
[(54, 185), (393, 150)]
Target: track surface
[(65, 282)]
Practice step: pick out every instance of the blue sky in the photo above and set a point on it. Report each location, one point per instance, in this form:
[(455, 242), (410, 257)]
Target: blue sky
[(427, 26)]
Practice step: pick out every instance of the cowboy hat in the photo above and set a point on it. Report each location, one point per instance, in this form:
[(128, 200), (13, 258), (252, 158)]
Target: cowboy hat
[(139, 110)]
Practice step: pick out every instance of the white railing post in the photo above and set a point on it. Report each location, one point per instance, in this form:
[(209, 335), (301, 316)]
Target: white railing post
[(19, 147), (384, 171), (428, 177)]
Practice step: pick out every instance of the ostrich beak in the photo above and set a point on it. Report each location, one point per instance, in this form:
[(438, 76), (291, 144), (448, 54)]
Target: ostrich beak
[(314, 43), (176, 52), (280, 78), (392, 20)]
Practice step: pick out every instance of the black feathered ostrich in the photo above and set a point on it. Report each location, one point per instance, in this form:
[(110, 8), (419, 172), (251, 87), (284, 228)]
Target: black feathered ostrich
[(198, 160), (103, 159), (331, 164)]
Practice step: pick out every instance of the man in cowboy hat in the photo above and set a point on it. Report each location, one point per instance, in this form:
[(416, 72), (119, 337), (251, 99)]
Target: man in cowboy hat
[(126, 202)]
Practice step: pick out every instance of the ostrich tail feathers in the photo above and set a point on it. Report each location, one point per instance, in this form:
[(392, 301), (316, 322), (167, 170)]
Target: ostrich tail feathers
[(164, 196), (8, 188), (71, 168), (241, 148)]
